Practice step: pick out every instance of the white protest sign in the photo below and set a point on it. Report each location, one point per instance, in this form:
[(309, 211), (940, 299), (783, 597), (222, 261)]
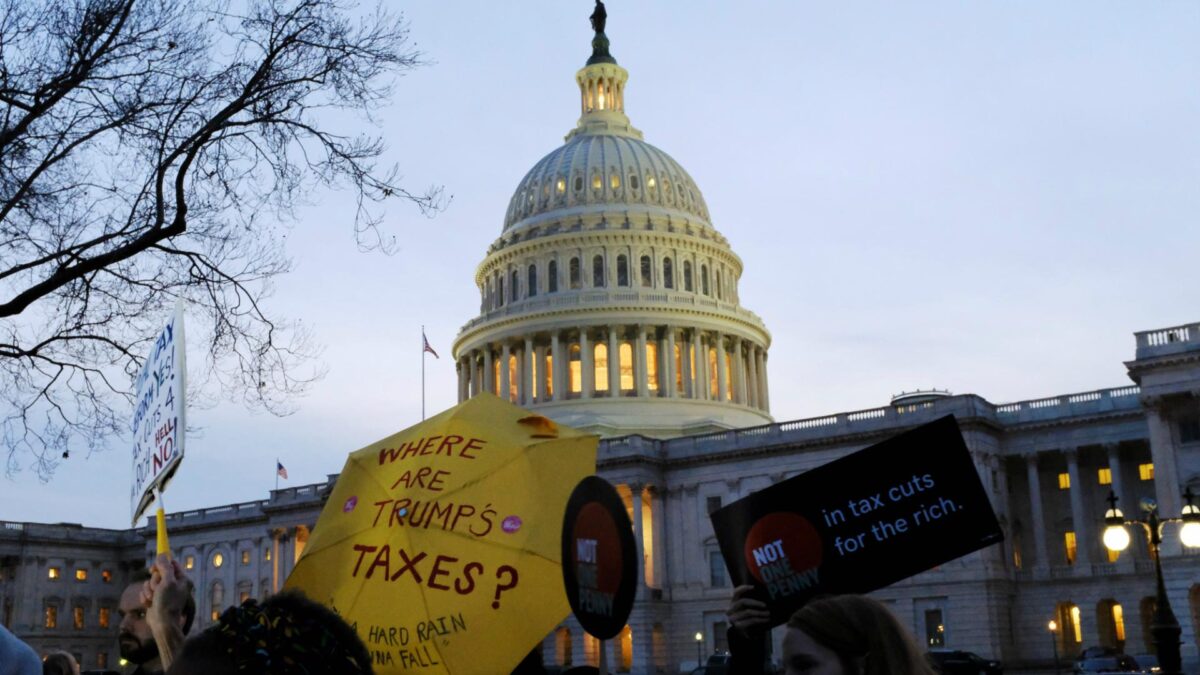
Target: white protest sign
[(158, 418)]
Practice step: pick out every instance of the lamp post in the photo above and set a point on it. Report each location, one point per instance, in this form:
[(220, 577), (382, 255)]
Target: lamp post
[(1165, 627), (1054, 643), (699, 649)]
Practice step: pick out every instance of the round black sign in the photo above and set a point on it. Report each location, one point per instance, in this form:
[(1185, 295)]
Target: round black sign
[(599, 558)]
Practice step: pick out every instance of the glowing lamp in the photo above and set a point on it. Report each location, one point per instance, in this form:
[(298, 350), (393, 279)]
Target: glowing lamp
[(1116, 538)]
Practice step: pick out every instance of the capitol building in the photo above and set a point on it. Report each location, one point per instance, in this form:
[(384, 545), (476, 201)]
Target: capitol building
[(610, 302)]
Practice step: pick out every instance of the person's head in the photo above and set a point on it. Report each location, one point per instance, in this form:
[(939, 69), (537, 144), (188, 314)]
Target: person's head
[(133, 637), (850, 635), (59, 663), (286, 633)]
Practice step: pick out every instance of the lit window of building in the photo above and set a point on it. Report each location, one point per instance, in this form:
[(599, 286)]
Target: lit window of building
[(102, 660), (1118, 617), (80, 575), (105, 617), (1146, 471), (53, 573), (600, 359), (1105, 476), (625, 366), (935, 628), (652, 366), (1069, 547), (246, 557), (1076, 624), (267, 554), (1064, 481), (106, 576), (189, 562), (77, 617), (51, 616), (218, 560)]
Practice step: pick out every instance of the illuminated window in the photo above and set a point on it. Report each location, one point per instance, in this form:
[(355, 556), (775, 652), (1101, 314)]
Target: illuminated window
[(650, 182), (51, 616), (243, 596), (687, 275), (678, 369), (246, 557), (1069, 546), (217, 599), (80, 575), (622, 270), (625, 650), (598, 272), (647, 268), (1076, 625), (652, 365), (573, 272), (668, 273), (266, 554), (713, 388), (77, 617), (1118, 617), (549, 375), (496, 377), (189, 562), (1112, 555), (597, 182), (1104, 476), (560, 186), (1064, 481), (533, 375), (614, 180), (1146, 471), (625, 366), (102, 660), (513, 382), (552, 277), (728, 376), (600, 358), (53, 573), (533, 284), (935, 628), (106, 576), (105, 615), (574, 369), (218, 560)]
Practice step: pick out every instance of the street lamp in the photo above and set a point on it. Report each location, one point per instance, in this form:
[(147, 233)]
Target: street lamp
[(1165, 627), (699, 649), (1054, 642)]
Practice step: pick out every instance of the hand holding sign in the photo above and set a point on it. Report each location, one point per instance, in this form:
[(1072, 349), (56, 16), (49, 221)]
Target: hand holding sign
[(859, 523)]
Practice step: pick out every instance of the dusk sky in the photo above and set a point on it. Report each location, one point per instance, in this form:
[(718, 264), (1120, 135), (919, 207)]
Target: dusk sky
[(987, 197)]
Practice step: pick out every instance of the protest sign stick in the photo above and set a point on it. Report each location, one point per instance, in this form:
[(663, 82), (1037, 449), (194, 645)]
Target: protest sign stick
[(163, 546), (602, 666)]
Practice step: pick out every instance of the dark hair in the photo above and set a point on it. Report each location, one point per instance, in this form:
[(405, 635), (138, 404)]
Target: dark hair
[(866, 636), (58, 663), (142, 574), (286, 633)]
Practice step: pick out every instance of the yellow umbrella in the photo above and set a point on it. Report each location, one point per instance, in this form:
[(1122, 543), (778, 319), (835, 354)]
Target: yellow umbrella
[(441, 544)]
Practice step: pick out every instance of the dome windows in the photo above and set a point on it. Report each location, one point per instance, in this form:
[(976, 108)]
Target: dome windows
[(633, 182), (598, 272), (687, 276), (704, 279), (622, 270), (579, 183), (533, 285), (560, 185), (614, 181), (552, 277), (668, 274), (514, 292), (651, 184), (647, 269), (597, 181), (574, 274)]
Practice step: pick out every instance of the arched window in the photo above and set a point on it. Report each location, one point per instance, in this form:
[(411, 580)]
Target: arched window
[(552, 277), (574, 369), (562, 646), (600, 361), (575, 280), (622, 270), (633, 182), (625, 368), (704, 279), (647, 271), (597, 181), (533, 285), (598, 272), (652, 365), (579, 183), (1110, 623), (217, 599), (513, 284), (625, 650), (548, 373), (687, 275), (678, 368), (668, 273), (499, 291), (713, 388), (729, 378), (513, 378)]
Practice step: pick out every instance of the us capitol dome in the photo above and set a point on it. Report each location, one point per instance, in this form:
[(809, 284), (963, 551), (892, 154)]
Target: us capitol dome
[(610, 302)]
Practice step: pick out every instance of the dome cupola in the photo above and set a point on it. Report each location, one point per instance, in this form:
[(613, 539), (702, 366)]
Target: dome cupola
[(609, 302)]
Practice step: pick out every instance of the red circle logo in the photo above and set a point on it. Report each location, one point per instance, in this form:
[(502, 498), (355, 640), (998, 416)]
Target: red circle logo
[(783, 543), (596, 543)]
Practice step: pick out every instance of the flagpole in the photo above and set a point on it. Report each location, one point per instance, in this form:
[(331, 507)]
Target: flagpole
[(422, 372), (276, 473)]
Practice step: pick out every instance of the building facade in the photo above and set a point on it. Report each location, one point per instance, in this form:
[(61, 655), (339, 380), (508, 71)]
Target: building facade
[(610, 303)]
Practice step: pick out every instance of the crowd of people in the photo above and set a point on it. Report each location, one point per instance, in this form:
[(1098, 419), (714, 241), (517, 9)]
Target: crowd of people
[(289, 633)]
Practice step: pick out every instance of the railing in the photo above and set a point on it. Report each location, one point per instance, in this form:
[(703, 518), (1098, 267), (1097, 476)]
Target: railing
[(1119, 398), (1168, 340), (14, 526)]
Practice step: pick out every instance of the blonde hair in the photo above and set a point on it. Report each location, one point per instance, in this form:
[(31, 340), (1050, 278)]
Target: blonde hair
[(861, 631)]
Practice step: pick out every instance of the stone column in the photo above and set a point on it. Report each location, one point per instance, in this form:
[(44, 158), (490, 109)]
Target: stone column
[(476, 376), (685, 355), (677, 535), (489, 379), (766, 386), (1080, 515), (556, 356), (1162, 453), (669, 361), (539, 353), (739, 369), (1036, 513), (701, 358), (1118, 481), (614, 364), (658, 537), (461, 381), (641, 375), (587, 368), (636, 489), (505, 376), (722, 371), (527, 372), (759, 385)]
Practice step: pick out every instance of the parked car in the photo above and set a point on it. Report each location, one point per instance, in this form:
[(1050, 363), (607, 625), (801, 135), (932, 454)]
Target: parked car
[(1121, 663), (717, 664), (958, 662), (1147, 662)]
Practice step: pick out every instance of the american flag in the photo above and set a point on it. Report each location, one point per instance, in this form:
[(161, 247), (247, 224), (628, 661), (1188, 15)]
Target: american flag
[(427, 347), (282, 472)]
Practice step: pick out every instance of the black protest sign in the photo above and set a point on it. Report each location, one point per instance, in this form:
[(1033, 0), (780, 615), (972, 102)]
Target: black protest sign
[(861, 522), (599, 558)]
